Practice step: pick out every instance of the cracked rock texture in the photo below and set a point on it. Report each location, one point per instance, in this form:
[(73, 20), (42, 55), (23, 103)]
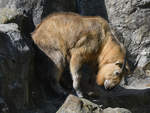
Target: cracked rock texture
[(131, 20)]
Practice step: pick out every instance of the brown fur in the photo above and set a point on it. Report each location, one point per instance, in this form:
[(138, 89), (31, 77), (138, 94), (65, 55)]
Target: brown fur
[(69, 37)]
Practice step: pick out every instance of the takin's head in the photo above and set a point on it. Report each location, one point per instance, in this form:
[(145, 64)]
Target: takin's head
[(111, 74)]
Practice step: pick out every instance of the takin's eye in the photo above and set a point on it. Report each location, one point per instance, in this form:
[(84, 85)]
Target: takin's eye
[(117, 72)]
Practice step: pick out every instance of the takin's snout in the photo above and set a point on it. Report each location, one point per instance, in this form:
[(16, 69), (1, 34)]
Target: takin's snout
[(110, 75)]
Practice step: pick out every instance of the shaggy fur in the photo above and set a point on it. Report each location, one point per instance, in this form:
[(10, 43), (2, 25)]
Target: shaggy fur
[(74, 39)]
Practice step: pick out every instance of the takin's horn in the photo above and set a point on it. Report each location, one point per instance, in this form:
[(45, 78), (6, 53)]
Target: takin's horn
[(123, 69)]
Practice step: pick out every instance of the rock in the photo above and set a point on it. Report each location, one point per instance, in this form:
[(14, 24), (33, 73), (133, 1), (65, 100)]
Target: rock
[(130, 19), (35, 10), (74, 104), (9, 27), (10, 15), (116, 110), (16, 67), (7, 15), (3, 3)]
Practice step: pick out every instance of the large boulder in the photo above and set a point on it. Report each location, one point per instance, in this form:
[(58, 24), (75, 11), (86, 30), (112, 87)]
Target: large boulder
[(74, 104)]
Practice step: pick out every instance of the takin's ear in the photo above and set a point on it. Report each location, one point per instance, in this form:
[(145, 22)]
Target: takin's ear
[(120, 64)]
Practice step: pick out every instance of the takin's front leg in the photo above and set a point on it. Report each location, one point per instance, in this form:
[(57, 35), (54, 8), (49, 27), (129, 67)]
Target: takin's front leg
[(55, 81), (56, 71), (75, 66)]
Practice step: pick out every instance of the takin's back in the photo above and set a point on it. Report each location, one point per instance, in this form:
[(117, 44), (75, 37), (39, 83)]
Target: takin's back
[(64, 31)]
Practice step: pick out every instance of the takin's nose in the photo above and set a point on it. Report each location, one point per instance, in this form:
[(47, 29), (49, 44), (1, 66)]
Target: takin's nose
[(108, 84)]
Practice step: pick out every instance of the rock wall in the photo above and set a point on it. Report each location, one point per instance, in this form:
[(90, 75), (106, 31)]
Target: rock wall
[(16, 67), (19, 67)]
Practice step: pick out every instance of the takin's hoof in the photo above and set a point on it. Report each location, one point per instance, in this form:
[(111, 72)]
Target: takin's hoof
[(79, 94)]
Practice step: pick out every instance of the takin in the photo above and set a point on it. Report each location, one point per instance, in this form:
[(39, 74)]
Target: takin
[(68, 38)]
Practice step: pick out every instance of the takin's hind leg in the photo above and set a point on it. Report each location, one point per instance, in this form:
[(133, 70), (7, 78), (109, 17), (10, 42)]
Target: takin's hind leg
[(56, 71), (75, 67)]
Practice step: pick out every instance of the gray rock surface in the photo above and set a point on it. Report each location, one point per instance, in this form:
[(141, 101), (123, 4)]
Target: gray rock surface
[(35, 10), (131, 20), (7, 15), (3, 3)]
